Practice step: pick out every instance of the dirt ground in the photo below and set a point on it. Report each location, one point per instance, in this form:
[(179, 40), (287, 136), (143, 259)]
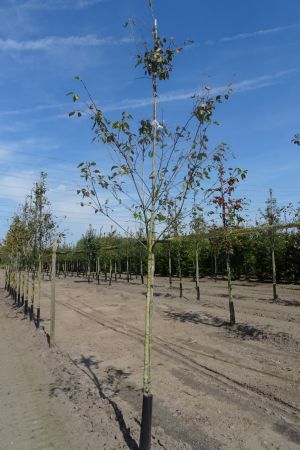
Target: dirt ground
[(214, 386)]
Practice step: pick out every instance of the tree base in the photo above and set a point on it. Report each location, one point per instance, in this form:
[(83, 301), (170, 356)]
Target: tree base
[(275, 296), (198, 292), (31, 313), (180, 290), (146, 424), (26, 307), (38, 317), (231, 313)]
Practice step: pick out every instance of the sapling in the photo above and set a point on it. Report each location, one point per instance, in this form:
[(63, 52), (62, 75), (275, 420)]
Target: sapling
[(151, 161), (229, 210), (197, 227)]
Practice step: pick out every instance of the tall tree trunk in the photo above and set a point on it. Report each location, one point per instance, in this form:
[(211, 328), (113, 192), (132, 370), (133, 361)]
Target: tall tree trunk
[(146, 423)]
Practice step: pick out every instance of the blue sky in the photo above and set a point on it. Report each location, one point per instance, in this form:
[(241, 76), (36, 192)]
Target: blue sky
[(44, 43)]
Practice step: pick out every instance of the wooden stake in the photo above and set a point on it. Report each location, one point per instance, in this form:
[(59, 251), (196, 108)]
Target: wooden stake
[(52, 306)]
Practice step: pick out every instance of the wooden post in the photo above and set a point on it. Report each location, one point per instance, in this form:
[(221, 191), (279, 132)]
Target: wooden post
[(52, 306)]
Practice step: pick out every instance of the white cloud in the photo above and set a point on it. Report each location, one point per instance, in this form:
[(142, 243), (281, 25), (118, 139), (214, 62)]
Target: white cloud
[(52, 5), (34, 109), (252, 34), (15, 187), (5, 155), (241, 86), (90, 40), (20, 151)]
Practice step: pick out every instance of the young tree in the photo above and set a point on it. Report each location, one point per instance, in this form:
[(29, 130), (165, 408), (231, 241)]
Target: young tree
[(272, 216), (228, 209), (197, 227), (89, 246), (151, 161), (29, 235), (43, 228)]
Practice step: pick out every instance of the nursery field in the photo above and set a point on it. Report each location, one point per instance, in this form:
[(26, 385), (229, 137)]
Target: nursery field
[(215, 386)]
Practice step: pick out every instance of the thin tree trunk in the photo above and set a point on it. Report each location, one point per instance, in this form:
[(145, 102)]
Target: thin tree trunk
[(230, 297), (31, 312), (89, 272), (170, 268), (141, 270), (275, 296), (110, 272), (197, 271), (105, 271), (127, 268), (38, 311), (52, 305), (271, 222), (180, 276), (215, 266)]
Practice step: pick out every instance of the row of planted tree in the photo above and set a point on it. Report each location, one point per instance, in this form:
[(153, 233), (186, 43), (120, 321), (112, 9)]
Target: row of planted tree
[(112, 257)]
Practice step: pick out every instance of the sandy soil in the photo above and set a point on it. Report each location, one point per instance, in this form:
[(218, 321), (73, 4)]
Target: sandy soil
[(214, 386)]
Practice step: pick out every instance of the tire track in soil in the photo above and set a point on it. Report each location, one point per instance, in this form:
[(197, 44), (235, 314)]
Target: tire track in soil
[(182, 347), (172, 351)]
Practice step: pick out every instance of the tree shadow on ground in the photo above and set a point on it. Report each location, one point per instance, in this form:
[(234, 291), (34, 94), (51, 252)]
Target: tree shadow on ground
[(246, 331), (89, 364), (241, 330), (82, 281), (204, 319), (283, 302)]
